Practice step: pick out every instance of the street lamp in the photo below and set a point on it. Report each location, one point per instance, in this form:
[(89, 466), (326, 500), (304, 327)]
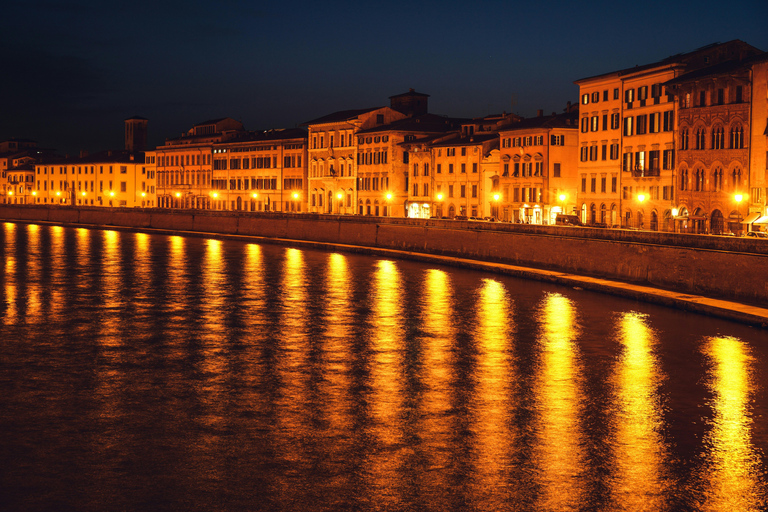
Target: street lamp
[(562, 198), (340, 196)]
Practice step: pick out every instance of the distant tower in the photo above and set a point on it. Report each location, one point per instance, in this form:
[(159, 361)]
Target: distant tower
[(136, 134), (410, 103)]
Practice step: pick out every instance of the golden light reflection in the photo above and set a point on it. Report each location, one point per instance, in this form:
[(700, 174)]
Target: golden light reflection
[(34, 309), (111, 274), (9, 273), (292, 365), (438, 378), (58, 270), (386, 367), (559, 449), (495, 375), (733, 464), (176, 272), (639, 454)]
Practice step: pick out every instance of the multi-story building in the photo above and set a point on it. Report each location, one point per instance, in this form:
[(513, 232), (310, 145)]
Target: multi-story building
[(538, 175), (334, 184), (17, 170), (722, 111), (389, 183), (261, 171), (627, 140), (108, 178), (185, 165)]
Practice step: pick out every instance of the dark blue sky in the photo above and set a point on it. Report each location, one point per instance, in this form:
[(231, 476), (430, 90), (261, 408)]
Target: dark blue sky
[(74, 70)]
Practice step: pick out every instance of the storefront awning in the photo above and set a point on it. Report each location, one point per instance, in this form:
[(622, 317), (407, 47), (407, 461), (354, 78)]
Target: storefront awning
[(752, 217), (762, 220)]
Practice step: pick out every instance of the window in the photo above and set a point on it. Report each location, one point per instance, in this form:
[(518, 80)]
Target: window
[(595, 97), (593, 153), (628, 125), (616, 93), (123, 186), (737, 137), (684, 139), (474, 167), (584, 99), (614, 151), (615, 120), (700, 136), (604, 152), (584, 124), (474, 191), (614, 184), (654, 122), (605, 95), (642, 124), (602, 184), (557, 140), (593, 184), (605, 122), (450, 168), (668, 159), (463, 167), (439, 169), (584, 153), (595, 123), (702, 98), (720, 96), (669, 120), (464, 151), (626, 165), (556, 170), (739, 94), (450, 190), (583, 183), (718, 137), (629, 96)]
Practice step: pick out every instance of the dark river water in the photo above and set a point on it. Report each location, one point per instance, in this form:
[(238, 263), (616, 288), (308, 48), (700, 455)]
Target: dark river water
[(148, 372)]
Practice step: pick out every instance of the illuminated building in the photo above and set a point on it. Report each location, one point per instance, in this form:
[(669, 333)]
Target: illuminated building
[(17, 173), (389, 183), (261, 171), (449, 172), (185, 167), (627, 140), (537, 172), (108, 178), (721, 170), (334, 186)]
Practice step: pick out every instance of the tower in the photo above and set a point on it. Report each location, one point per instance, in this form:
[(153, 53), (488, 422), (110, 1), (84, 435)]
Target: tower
[(136, 134)]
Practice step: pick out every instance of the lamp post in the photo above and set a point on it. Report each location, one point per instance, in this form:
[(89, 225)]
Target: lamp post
[(340, 196), (495, 212), (439, 205), (739, 197)]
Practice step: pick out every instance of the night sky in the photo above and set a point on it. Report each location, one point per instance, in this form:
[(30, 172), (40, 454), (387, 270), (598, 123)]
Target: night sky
[(73, 71)]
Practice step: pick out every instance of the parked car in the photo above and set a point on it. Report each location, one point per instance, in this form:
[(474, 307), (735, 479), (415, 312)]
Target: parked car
[(460, 217), (568, 220), (757, 234)]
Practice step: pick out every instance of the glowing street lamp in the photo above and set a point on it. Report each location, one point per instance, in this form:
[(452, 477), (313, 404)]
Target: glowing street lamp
[(641, 197), (389, 196)]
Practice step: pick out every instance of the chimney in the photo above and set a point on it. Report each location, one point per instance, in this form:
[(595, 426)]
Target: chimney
[(83, 153), (539, 113)]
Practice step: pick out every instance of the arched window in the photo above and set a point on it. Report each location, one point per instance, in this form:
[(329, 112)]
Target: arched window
[(736, 178), (699, 180), (737, 137), (717, 179), (684, 179), (700, 136), (684, 139), (718, 137)]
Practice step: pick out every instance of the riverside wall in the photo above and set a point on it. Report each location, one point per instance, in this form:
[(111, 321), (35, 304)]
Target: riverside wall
[(725, 267)]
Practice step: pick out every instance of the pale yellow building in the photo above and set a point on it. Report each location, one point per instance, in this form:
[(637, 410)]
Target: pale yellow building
[(538, 169), (185, 165), (108, 178), (261, 171)]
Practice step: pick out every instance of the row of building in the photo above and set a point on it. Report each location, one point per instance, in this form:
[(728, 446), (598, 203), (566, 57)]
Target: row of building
[(676, 145)]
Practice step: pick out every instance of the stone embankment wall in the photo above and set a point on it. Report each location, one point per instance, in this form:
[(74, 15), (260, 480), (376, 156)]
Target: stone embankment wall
[(727, 267)]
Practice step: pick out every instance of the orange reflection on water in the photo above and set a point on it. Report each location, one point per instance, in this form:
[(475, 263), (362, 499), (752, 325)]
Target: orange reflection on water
[(336, 353), (9, 273), (733, 463), (639, 453), (558, 452), (495, 439), (176, 285), (111, 274), (33, 271), (385, 368), (58, 270)]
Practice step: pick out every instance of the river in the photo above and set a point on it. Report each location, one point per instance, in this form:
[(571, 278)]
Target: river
[(153, 372)]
